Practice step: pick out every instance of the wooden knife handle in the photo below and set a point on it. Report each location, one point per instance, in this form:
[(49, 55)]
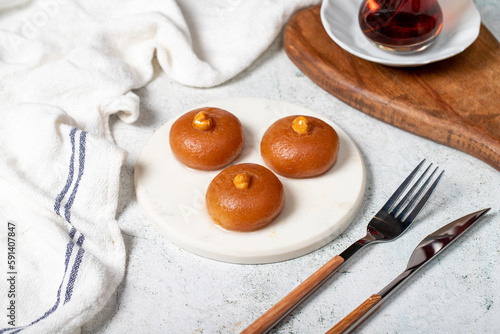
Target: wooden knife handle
[(355, 315), (294, 298)]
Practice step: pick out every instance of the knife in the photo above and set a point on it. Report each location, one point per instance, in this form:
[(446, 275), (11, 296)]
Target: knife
[(426, 250)]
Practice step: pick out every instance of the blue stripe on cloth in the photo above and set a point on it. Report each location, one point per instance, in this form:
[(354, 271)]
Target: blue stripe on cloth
[(69, 179), (72, 233), (81, 239), (73, 275), (69, 204)]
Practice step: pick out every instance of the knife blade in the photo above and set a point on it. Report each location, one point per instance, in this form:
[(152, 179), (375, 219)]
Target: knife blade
[(426, 250)]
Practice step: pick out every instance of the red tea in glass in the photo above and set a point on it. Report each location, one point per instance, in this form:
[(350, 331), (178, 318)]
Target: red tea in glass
[(401, 25)]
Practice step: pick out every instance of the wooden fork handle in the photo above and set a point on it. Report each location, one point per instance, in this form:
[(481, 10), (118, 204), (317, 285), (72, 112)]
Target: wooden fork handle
[(355, 315), (294, 298)]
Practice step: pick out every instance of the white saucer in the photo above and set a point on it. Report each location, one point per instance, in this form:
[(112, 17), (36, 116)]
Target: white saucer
[(316, 210), (461, 23)]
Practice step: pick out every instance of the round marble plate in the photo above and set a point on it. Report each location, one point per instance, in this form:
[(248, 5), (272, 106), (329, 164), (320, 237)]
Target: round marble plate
[(316, 211), (461, 23)]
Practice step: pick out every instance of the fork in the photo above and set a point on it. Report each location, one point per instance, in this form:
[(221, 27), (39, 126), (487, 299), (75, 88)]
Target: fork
[(389, 223)]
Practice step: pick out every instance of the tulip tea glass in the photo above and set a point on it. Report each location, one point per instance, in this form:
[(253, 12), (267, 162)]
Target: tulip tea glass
[(404, 26)]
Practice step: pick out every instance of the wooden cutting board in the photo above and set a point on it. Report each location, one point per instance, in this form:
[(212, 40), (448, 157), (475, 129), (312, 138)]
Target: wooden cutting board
[(455, 102)]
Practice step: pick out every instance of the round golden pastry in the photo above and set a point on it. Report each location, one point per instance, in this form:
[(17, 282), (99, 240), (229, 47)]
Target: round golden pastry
[(300, 146), (245, 197), (207, 138)]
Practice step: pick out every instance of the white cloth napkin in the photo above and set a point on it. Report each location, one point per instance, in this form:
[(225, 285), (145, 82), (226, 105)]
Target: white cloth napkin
[(65, 67)]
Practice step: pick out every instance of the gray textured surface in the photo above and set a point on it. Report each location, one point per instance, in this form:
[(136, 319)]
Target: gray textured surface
[(169, 290)]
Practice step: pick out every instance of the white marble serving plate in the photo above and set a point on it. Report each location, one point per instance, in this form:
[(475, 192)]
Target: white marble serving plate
[(316, 210), (461, 23)]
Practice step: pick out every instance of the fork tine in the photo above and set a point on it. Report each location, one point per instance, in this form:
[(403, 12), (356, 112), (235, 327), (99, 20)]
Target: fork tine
[(414, 198), (387, 206), (411, 191), (411, 217)]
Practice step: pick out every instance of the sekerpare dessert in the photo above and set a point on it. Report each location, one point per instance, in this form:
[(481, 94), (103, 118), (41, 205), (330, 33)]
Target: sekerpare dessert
[(300, 146), (207, 138), (245, 197)]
